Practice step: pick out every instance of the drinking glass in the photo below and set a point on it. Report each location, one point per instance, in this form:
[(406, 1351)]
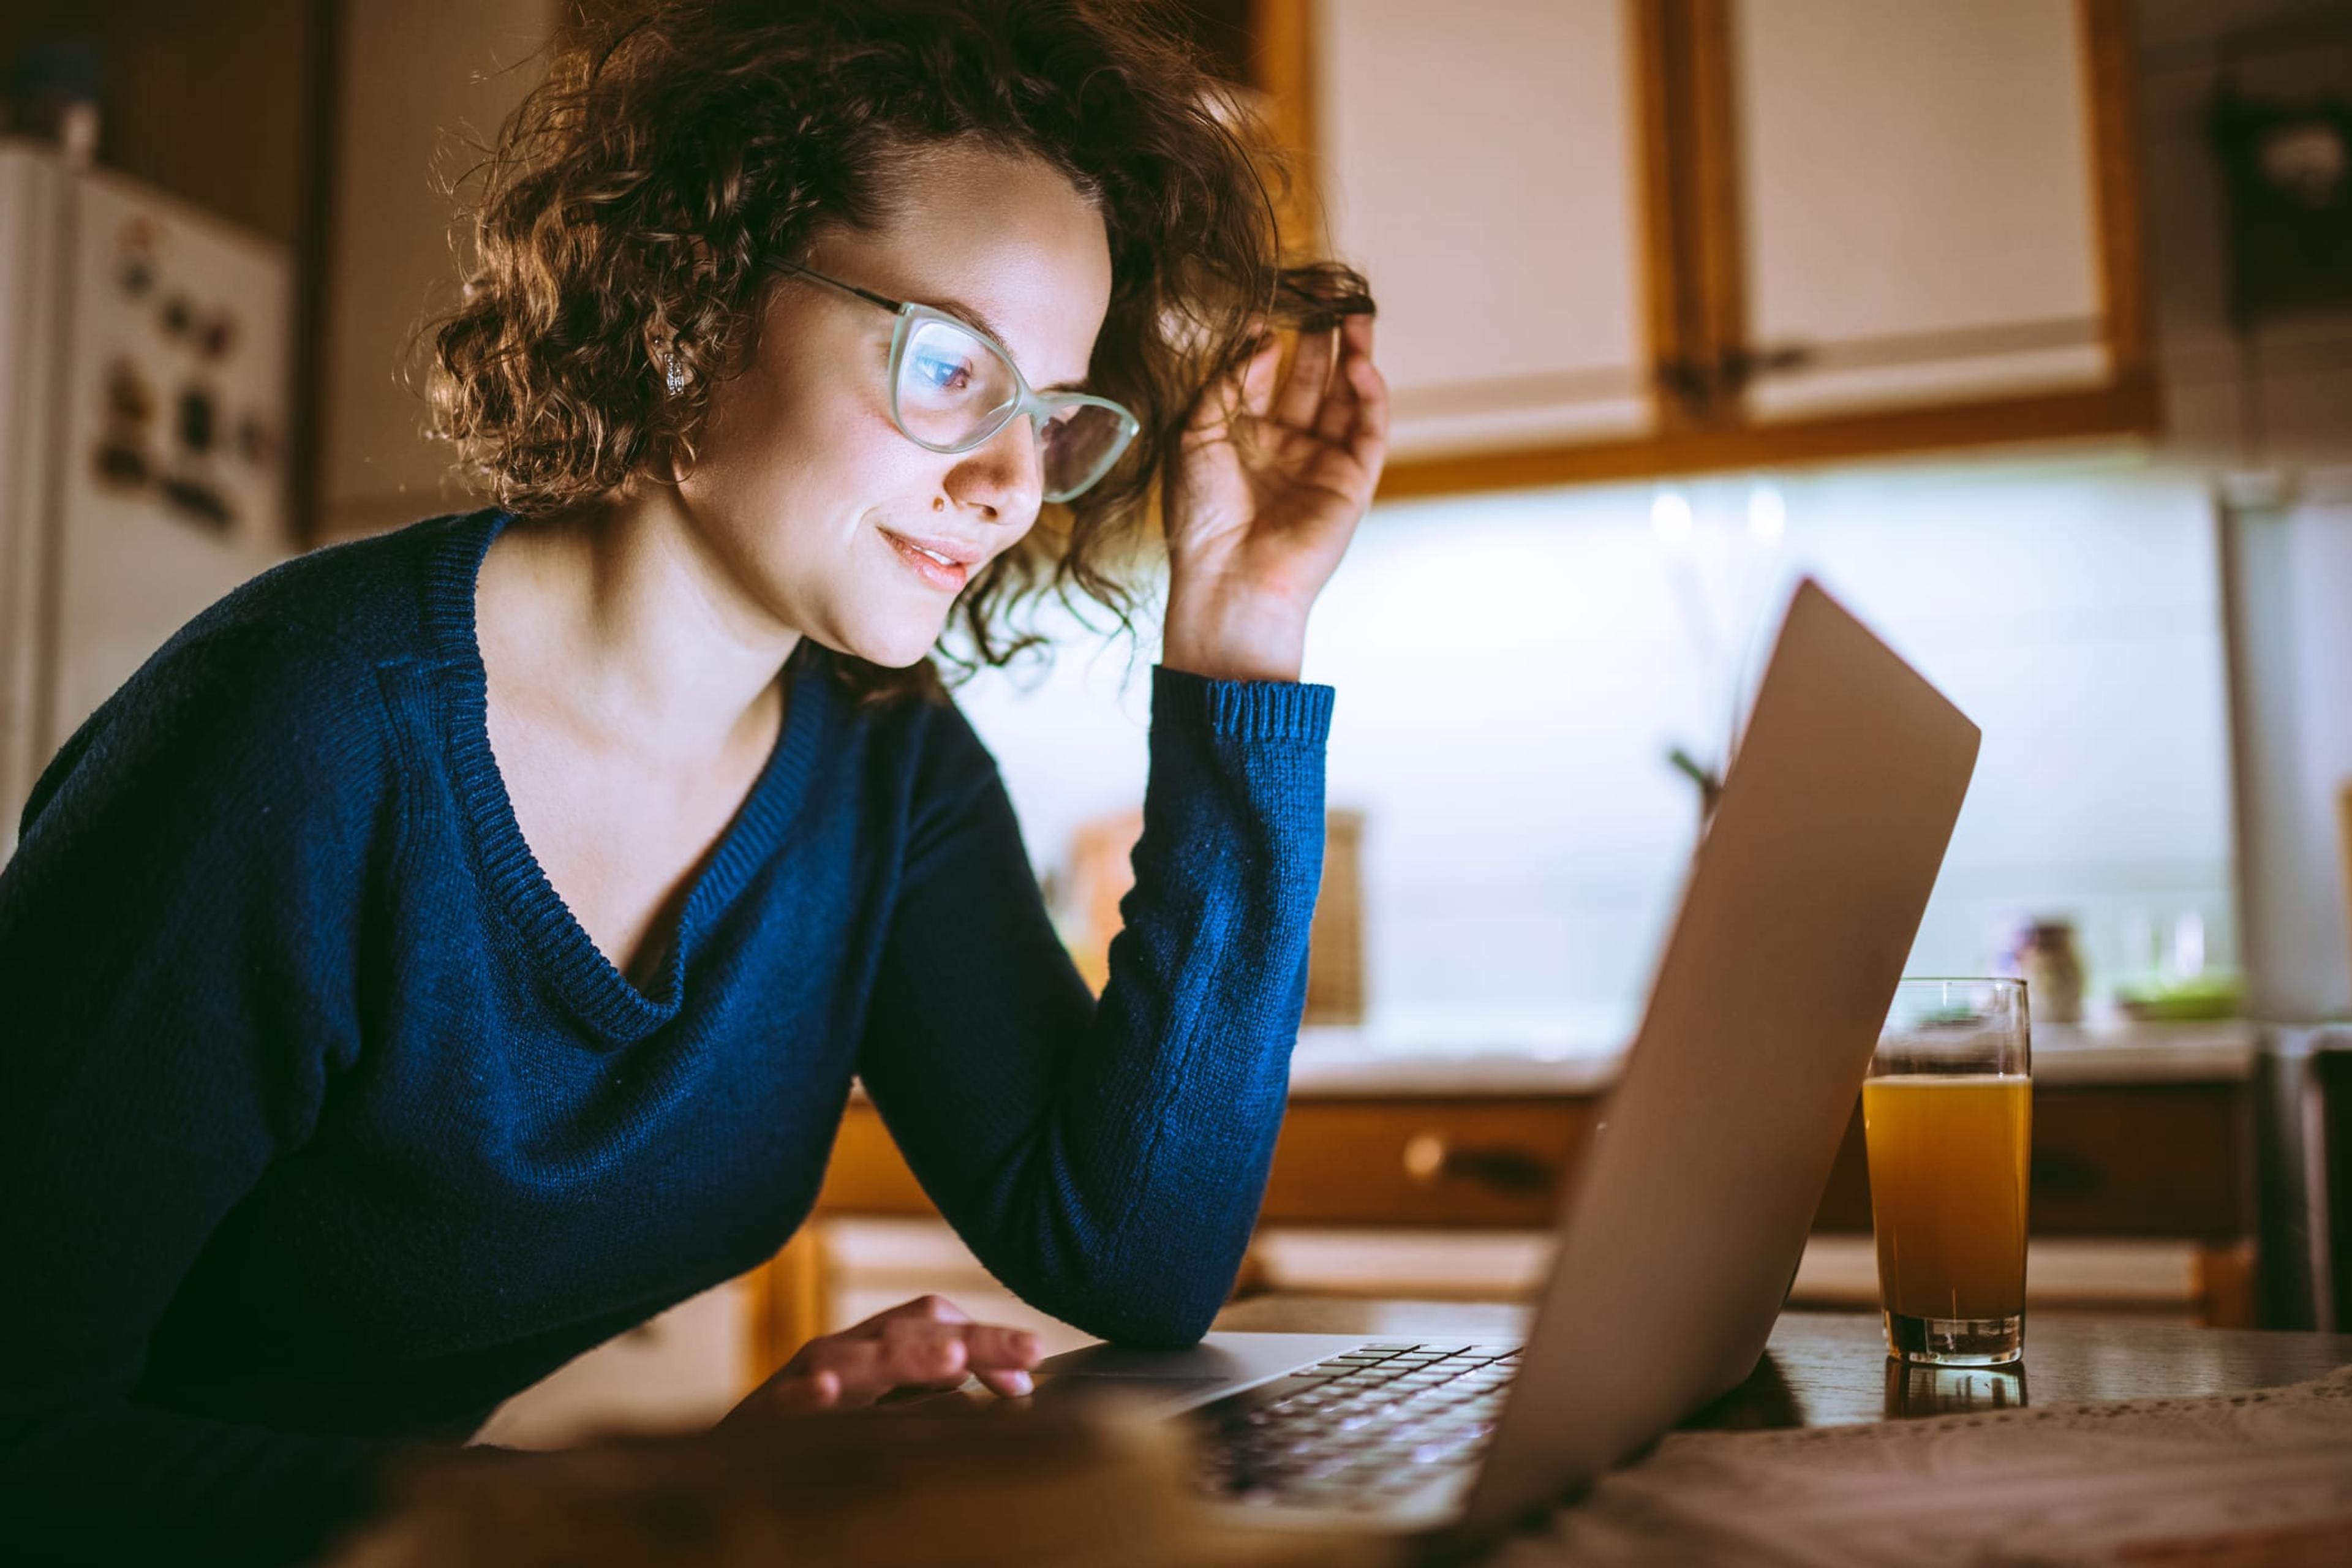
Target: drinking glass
[(1947, 1119)]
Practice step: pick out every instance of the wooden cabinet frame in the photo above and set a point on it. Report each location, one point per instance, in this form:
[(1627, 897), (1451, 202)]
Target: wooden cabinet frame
[(1692, 275)]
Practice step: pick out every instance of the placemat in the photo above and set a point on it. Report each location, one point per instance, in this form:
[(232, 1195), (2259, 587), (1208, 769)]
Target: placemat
[(2262, 1477)]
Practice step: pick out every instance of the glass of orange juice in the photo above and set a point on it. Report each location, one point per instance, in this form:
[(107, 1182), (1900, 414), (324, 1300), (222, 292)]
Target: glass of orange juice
[(1947, 1118)]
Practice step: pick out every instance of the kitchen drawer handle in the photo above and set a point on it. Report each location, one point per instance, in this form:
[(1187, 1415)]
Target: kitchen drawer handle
[(1703, 385), (1739, 367), (1430, 1158), (1688, 380)]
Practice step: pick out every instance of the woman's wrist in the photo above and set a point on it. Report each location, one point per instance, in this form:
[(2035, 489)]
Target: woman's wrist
[(1230, 637)]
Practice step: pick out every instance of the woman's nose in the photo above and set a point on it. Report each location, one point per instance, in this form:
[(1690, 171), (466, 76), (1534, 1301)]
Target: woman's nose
[(1003, 478)]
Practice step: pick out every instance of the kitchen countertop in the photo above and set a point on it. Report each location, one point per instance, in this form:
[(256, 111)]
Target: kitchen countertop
[(1341, 1063)]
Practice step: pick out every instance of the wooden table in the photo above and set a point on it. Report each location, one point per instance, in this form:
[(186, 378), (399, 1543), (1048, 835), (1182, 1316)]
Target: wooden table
[(1827, 1369)]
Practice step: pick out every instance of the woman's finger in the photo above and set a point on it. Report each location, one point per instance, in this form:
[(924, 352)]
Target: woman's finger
[(801, 1395), (920, 1351), (1259, 377), (1219, 410), (939, 1310), (1368, 440), (913, 1354), (1343, 404), (925, 1340), (989, 1347), (923, 1309), (925, 1344), (1302, 391), (1008, 1383)]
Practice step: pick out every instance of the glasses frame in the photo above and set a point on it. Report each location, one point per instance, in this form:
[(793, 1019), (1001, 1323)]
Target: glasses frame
[(1038, 406)]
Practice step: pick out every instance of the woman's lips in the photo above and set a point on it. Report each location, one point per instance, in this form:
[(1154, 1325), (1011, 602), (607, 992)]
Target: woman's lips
[(944, 575)]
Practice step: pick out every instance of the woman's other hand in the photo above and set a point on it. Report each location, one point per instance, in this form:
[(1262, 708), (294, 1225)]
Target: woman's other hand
[(1278, 470), (929, 1343)]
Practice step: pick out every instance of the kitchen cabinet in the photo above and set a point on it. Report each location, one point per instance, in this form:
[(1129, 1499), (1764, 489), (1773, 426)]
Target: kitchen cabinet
[(2163, 1152), (1922, 224), (413, 79), (1485, 177), (1614, 238)]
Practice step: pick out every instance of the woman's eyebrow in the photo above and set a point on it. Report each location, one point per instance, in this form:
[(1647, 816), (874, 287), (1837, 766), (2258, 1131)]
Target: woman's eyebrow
[(960, 309)]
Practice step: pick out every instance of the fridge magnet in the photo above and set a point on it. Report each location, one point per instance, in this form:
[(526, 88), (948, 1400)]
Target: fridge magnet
[(199, 502), (121, 460), (256, 438), (196, 422)]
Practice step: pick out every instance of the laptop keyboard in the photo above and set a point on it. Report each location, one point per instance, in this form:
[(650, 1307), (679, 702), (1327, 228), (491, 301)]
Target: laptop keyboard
[(1358, 1429)]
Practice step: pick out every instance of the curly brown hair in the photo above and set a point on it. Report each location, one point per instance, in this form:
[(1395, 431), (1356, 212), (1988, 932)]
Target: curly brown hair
[(641, 197)]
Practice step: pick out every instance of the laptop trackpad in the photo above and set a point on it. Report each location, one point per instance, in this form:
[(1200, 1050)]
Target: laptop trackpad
[(1059, 1391), (1218, 1364)]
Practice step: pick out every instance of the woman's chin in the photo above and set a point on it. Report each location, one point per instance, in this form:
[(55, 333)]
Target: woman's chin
[(897, 646)]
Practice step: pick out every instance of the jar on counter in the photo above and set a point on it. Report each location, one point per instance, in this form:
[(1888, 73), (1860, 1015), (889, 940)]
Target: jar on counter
[(2046, 956)]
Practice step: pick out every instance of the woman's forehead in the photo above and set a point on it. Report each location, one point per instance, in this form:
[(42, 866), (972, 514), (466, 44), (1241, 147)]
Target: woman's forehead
[(1006, 241)]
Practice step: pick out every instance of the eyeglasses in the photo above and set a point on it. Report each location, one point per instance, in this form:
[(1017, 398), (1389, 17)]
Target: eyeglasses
[(953, 387)]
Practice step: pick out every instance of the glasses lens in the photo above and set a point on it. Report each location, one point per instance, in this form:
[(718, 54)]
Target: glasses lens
[(953, 386), (1079, 444)]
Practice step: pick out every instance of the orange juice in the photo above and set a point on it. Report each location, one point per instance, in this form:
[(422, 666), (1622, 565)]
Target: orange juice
[(1948, 1184)]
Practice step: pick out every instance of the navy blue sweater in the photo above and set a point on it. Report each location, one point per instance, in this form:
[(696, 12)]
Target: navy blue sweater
[(324, 1127)]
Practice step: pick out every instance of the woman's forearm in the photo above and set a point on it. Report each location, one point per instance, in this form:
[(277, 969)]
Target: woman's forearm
[(1107, 1160)]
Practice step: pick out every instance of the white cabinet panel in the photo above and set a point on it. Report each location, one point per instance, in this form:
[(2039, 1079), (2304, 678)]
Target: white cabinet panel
[(1917, 187), (1479, 164)]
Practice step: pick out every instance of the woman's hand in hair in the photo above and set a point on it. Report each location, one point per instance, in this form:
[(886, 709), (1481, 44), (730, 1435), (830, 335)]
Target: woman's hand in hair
[(1278, 468), (925, 1344)]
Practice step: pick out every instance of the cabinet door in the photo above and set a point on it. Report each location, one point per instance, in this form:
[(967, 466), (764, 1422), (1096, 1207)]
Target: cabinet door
[(1480, 166), (1921, 219), (410, 71)]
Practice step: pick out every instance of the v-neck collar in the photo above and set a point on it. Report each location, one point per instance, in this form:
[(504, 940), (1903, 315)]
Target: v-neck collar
[(590, 984)]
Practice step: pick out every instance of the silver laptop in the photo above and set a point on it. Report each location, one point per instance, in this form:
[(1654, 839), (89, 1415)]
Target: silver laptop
[(1682, 1229)]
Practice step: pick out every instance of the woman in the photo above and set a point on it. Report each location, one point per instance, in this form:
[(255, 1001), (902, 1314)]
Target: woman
[(457, 947)]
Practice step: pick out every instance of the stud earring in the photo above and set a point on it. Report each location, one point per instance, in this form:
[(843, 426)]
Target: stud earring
[(939, 503)]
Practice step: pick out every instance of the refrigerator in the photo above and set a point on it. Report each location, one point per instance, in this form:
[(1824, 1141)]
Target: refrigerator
[(2286, 560), (144, 366)]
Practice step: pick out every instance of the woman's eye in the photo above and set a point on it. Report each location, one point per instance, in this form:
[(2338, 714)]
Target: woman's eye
[(947, 374)]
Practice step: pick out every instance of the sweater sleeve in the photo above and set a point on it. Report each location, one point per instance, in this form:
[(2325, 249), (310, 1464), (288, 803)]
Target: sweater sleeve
[(177, 947), (1107, 1160)]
